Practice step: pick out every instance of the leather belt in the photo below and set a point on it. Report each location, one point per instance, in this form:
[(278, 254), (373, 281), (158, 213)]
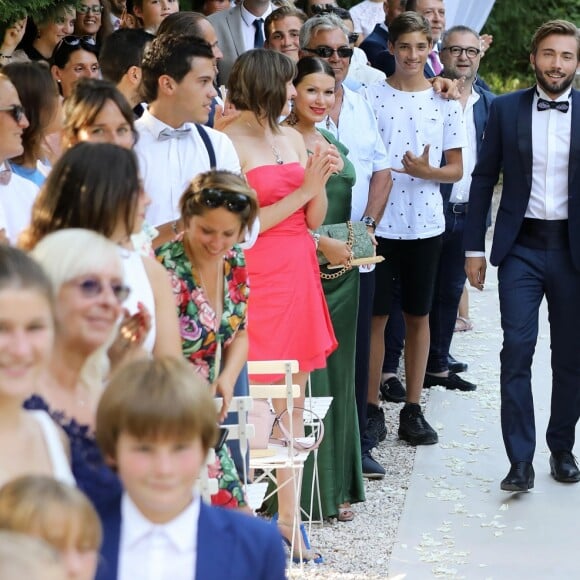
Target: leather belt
[(458, 208)]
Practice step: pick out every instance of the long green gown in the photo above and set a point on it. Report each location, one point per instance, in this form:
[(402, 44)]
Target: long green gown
[(339, 456)]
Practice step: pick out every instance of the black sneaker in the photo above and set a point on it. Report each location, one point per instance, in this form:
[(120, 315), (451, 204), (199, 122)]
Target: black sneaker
[(392, 390), (372, 469), (413, 426), (376, 428), (452, 381)]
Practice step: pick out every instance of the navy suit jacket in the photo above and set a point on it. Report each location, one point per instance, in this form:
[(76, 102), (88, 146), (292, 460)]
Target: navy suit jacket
[(375, 43), (480, 115), (230, 545), (507, 146)]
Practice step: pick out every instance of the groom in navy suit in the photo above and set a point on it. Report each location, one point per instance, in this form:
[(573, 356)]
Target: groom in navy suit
[(534, 137)]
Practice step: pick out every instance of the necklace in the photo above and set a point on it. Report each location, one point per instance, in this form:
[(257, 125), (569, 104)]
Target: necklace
[(273, 148)]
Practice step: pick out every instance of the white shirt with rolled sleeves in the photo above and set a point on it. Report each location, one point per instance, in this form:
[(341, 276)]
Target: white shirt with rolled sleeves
[(168, 166), (407, 122), (357, 130)]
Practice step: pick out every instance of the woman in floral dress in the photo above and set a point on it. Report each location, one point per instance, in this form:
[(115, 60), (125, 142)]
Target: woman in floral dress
[(210, 285)]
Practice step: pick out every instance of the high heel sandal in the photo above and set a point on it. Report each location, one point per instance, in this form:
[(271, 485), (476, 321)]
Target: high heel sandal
[(309, 555)]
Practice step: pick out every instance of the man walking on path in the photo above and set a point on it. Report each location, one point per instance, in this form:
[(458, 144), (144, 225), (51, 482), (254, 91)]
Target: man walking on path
[(534, 137)]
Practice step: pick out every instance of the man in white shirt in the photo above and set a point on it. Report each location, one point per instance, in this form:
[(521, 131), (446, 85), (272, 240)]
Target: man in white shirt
[(461, 55), (418, 127), (178, 82), (353, 123), (534, 137), (16, 193)]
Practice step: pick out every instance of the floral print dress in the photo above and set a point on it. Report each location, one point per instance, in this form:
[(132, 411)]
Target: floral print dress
[(199, 341)]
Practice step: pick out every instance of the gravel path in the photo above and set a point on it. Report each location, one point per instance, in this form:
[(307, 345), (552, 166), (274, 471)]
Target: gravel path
[(361, 549)]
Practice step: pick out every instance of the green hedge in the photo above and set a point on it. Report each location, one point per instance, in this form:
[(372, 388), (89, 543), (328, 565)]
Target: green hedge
[(512, 23)]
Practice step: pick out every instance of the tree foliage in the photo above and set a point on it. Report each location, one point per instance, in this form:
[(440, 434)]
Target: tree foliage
[(512, 24)]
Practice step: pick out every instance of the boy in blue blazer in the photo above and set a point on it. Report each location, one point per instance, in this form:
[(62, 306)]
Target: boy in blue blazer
[(155, 425)]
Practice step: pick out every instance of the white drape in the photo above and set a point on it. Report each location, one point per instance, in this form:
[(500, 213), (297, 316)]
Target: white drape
[(472, 13)]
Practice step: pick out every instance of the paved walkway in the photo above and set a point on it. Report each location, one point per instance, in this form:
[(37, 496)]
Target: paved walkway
[(456, 522)]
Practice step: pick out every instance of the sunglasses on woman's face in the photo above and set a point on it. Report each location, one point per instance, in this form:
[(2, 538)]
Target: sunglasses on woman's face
[(91, 287), (16, 112), (232, 201)]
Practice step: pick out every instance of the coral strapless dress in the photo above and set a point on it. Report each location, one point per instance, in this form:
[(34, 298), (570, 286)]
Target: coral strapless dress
[(287, 313)]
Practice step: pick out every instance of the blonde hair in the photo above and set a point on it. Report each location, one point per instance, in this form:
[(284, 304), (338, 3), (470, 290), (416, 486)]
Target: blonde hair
[(70, 253), (23, 556), (36, 505), (161, 399)]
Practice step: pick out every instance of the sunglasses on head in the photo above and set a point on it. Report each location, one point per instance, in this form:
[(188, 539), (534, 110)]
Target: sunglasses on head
[(17, 112), (91, 287), (232, 201), (76, 41), (327, 52), (320, 9)]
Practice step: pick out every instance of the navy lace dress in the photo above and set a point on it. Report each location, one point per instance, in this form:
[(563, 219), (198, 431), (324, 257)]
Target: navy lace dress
[(92, 475)]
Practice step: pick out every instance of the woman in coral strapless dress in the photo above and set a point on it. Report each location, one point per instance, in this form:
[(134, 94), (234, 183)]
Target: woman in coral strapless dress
[(287, 315)]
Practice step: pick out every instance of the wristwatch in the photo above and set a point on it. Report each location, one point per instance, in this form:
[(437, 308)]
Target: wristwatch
[(369, 221)]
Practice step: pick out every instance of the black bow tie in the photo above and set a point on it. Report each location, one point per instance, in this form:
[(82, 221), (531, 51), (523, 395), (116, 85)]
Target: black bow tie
[(544, 105)]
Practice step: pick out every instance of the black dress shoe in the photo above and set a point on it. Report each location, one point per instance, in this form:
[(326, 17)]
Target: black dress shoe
[(563, 467), (392, 390), (520, 477), (456, 366), (452, 382)]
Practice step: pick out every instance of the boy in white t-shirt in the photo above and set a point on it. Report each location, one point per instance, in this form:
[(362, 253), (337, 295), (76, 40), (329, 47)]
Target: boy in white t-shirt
[(419, 128)]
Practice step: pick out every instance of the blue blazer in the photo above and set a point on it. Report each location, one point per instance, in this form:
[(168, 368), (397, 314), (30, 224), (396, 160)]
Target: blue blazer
[(374, 43), (230, 546), (507, 146), (480, 115)]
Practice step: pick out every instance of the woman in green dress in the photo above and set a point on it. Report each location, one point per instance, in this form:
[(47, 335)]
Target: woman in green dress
[(339, 458)]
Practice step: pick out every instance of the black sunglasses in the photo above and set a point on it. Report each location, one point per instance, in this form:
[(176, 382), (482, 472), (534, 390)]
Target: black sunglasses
[(17, 112), (72, 41), (327, 52), (232, 201), (353, 37), (91, 287)]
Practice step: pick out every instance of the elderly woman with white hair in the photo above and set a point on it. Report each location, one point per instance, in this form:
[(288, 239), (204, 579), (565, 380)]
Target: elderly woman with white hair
[(87, 275)]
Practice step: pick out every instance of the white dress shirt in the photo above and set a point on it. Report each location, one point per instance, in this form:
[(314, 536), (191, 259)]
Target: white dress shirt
[(16, 200), (248, 28), (551, 133), (167, 167), (357, 130), (460, 189), (150, 551)]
